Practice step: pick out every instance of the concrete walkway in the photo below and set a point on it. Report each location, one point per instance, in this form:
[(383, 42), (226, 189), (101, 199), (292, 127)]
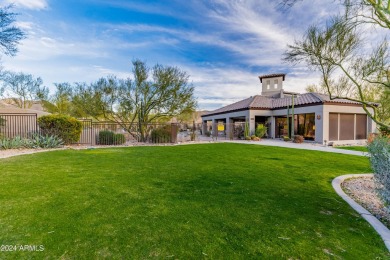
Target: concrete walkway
[(305, 146)]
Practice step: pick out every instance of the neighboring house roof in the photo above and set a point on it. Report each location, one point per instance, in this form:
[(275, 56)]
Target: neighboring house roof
[(272, 76), (263, 102), (15, 110), (7, 102), (6, 107)]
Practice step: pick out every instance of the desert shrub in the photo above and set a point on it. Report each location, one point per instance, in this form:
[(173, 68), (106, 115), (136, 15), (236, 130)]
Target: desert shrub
[(161, 134), (66, 128), (45, 141), (207, 133), (379, 150), (260, 131), (371, 137), (36, 141), (255, 138), (119, 139), (385, 131), (298, 139), (106, 137), (247, 138), (286, 138), (13, 143)]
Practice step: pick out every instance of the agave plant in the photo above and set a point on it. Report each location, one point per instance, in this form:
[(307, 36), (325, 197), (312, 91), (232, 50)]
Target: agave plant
[(14, 143), (46, 141), (36, 141)]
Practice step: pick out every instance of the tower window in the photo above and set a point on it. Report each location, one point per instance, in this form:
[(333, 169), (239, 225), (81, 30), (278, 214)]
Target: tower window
[(275, 83), (268, 84)]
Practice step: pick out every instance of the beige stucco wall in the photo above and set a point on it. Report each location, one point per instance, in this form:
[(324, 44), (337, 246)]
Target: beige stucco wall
[(272, 89), (371, 125)]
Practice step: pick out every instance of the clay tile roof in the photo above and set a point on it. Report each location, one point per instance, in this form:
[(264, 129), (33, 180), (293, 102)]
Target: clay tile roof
[(272, 103), (304, 99), (243, 104), (261, 102), (272, 76), (326, 98)]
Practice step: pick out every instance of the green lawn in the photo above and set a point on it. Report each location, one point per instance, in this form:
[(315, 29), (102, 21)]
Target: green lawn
[(353, 148), (231, 201)]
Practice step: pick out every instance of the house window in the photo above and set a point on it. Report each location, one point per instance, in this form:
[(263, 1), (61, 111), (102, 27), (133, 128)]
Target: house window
[(361, 127), (275, 84), (333, 127), (268, 84), (347, 126), (304, 124)]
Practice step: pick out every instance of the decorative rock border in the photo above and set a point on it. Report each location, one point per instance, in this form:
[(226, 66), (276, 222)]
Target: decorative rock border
[(381, 229)]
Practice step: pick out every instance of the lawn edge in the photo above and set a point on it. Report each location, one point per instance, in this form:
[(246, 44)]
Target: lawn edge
[(19, 152), (381, 229)]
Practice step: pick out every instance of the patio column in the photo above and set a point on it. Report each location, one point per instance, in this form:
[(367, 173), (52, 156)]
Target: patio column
[(272, 130), (214, 128), (252, 126), (204, 127), (229, 128)]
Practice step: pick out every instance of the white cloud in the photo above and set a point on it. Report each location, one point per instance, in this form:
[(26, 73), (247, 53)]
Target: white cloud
[(250, 50), (24, 25), (29, 4), (38, 47)]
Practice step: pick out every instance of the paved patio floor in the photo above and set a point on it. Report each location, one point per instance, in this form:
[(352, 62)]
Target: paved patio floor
[(280, 143)]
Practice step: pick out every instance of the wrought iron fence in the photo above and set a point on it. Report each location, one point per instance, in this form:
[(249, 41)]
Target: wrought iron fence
[(112, 133), (22, 125), (94, 133)]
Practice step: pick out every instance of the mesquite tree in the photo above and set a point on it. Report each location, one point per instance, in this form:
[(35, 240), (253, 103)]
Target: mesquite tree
[(153, 95)]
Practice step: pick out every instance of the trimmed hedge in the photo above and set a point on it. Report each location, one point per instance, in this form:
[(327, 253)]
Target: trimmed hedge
[(161, 134), (110, 138), (119, 139), (106, 137), (65, 127)]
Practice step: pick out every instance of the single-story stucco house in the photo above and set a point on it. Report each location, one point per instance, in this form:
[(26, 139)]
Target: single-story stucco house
[(316, 116)]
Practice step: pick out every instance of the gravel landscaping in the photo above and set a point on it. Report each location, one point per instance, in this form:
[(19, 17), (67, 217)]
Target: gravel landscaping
[(16, 152), (362, 190)]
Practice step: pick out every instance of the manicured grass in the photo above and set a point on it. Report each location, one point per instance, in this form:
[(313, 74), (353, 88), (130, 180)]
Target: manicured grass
[(353, 148), (231, 201)]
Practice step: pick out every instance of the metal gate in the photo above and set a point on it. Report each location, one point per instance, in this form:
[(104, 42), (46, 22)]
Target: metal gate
[(86, 136)]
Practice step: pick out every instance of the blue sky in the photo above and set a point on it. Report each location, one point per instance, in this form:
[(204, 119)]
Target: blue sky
[(223, 45)]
